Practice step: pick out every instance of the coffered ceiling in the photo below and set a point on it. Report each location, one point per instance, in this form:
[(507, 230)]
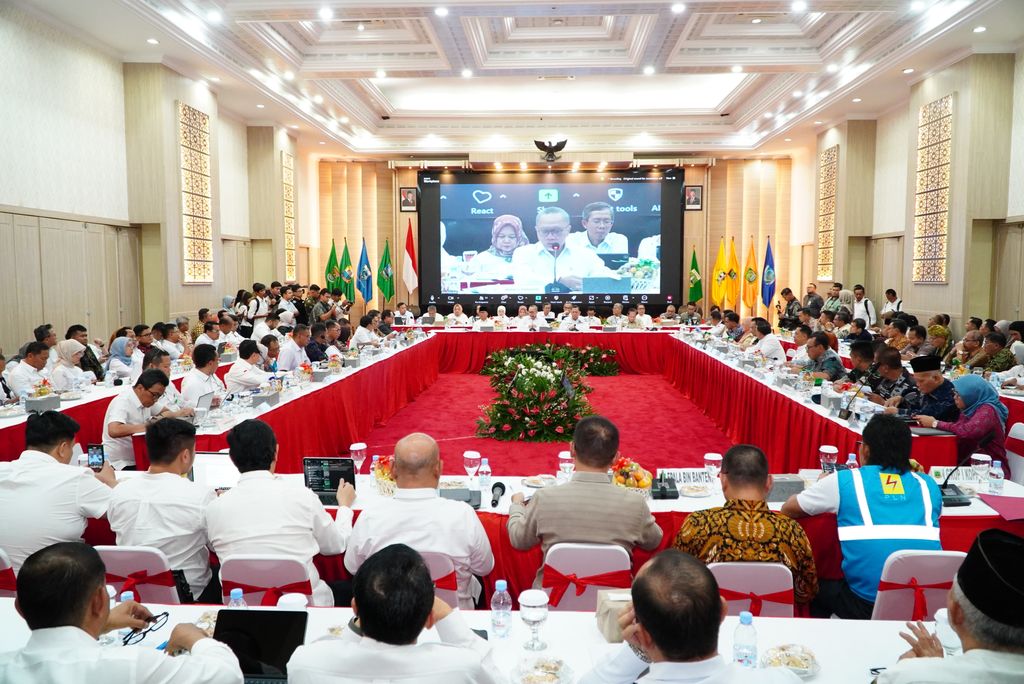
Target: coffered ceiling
[(455, 77)]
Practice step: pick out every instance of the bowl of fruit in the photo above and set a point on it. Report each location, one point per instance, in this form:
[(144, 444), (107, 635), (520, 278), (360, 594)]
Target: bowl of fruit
[(630, 475)]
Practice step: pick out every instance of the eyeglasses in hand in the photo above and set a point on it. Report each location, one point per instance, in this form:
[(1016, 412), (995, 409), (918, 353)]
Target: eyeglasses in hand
[(156, 622)]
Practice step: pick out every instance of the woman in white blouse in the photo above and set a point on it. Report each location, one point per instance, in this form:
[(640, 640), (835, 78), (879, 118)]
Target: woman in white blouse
[(496, 262), (119, 365), (67, 375)]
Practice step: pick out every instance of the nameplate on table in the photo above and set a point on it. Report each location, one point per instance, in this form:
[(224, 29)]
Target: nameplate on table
[(964, 475), (687, 475)]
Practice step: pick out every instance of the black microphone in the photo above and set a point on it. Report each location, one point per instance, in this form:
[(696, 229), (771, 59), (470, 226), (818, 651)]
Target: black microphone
[(951, 494), (497, 491), (871, 372), (557, 249)]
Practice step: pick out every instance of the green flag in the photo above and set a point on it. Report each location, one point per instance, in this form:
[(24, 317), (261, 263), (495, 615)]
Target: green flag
[(347, 284), (386, 275), (332, 273), (696, 289)]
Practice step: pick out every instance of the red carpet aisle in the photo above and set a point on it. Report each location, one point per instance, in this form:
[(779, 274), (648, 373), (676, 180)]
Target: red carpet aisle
[(659, 427)]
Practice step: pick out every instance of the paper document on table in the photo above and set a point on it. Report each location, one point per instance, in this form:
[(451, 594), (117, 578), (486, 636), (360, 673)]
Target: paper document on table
[(1008, 507), (687, 475)]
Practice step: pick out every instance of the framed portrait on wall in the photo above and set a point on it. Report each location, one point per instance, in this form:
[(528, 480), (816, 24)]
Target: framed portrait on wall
[(693, 197), (407, 199)]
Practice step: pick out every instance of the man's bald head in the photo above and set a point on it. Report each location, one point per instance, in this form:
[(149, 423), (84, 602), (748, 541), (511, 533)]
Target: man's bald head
[(417, 461)]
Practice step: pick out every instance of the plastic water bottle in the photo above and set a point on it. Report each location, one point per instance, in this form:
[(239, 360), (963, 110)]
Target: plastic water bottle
[(485, 475), (744, 642), (110, 638), (501, 610), (995, 478), (235, 600), (851, 461), (373, 464), (125, 596)]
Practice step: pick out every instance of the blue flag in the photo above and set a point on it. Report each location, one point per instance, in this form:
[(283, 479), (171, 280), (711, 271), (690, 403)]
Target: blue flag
[(364, 283), (768, 276)]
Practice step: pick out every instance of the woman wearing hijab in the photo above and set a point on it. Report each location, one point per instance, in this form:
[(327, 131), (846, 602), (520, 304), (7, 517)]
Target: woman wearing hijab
[(119, 365), (847, 301), (496, 263), (981, 427), (66, 373)]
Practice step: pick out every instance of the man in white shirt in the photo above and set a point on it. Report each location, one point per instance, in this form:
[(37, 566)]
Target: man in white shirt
[(62, 596), (210, 336), (130, 412), (227, 331), (164, 510), (483, 320), (597, 236), (44, 499), (431, 314), (23, 377), (798, 357), (574, 321), (171, 401), (417, 516), (617, 318), (293, 351), (768, 344), (893, 304), (393, 601), (258, 307), (457, 317), (169, 341), (264, 514), (550, 260), (287, 303), (364, 336), (546, 312), (986, 611), (522, 319), (591, 319), (245, 373), (403, 316), (650, 248), (863, 307), (268, 326), (671, 628), (566, 311), (202, 378), (642, 316)]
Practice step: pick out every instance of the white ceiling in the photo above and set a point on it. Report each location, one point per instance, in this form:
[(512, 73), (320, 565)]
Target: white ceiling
[(575, 69)]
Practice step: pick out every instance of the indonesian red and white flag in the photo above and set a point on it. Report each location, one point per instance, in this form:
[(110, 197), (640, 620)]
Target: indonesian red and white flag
[(409, 274)]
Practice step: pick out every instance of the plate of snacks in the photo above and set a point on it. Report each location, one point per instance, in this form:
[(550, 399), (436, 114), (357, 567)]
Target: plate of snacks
[(542, 670), (540, 481), (798, 659), (695, 490)]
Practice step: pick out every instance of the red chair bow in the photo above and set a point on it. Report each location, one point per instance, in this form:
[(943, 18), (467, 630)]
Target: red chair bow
[(270, 594), (559, 583), (7, 580), (757, 600), (135, 579), (920, 602), (449, 582)]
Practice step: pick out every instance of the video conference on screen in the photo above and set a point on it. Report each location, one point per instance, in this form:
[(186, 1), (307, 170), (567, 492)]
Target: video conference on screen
[(592, 238)]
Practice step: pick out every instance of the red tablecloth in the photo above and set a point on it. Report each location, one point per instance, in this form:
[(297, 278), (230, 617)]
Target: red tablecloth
[(221, 371), (750, 412), (89, 417)]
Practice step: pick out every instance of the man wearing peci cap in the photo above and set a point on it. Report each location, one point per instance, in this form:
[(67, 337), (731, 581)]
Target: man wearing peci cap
[(986, 610), (934, 394)]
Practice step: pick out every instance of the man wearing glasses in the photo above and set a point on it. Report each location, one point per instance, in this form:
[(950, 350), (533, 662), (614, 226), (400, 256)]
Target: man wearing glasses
[(597, 236), (130, 412), (550, 264)]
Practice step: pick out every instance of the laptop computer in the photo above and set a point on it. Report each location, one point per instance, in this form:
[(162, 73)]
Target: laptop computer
[(214, 470), (427, 320), (323, 475), (262, 640), (203, 406), (615, 261)]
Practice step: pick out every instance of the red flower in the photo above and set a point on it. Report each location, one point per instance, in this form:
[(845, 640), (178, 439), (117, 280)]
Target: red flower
[(506, 427), (559, 429), (491, 430), (531, 432)]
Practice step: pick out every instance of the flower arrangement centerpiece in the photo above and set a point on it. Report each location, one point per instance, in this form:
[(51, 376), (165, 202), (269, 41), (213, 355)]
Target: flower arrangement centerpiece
[(41, 389), (630, 475), (304, 373), (384, 476), (589, 360), (334, 364)]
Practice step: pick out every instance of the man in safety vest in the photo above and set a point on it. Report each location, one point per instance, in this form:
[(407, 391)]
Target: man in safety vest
[(880, 508)]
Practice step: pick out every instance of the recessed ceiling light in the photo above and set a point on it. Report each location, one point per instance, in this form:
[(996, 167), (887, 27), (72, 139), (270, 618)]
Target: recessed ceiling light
[(214, 79), (908, 70), (322, 142), (441, 11), (980, 29), (549, 166), (817, 123), (768, 115), (360, 27), (755, 21), (381, 73), (467, 73), (856, 99), (678, 8), (343, 119), (318, 98), (294, 126), (798, 6), (736, 69), (917, 5), (832, 68), (214, 16), (522, 165), (798, 93), (326, 13), (259, 106), (255, 73), (648, 70), (152, 41), (787, 140), (288, 75)]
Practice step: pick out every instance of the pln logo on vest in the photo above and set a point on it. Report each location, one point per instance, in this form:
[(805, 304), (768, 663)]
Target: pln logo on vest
[(892, 485)]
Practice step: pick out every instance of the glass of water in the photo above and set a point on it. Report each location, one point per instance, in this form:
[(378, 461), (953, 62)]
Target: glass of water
[(713, 464), (533, 610), (980, 465), (565, 464), (471, 462)]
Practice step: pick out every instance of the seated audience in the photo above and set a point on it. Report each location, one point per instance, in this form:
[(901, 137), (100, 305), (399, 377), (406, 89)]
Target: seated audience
[(1000, 356), (403, 316), (62, 595), (826, 321), (804, 317), (44, 499), (895, 380), (716, 323), (745, 529), (171, 401), (733, 331), (268, 326), (986, 610), (264, 514), (430, 317), (90, 361), (387, 319), (671, 628), (169, 340), (419, 517), (270, 349), (293, 350), (589, 508), (938, 339), (617, 318), (165, 510), (316, 349), (483, 319), (768, 344), (202, 378), (747, 337), (981, 426), (934, 396), (862, 357), (918, 345), (896, 334), (859, 331), (457, 317), (798, 357), (969, 351), (824, 362), (632, 322), (574, 321), (24, 377), (130, 412), (210, 335), (364, 335), (393, 601), (881, 507), (66, 373), (1016, 339), (844, 325), (644, 317), (245, 373)]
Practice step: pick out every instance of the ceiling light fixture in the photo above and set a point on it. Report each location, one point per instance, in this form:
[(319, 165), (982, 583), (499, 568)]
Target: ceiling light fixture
[(755, 21), (908, 70), (318, 98), (798, 93), (294, 126), (856, 100), (648, 70), (522, 165), (326, 13), (787, 140), (360, 26), (288, 75), (768, 115), (441, 11), (497, 165), (343, 119), (260, 106), (832, 68), (798, 6), (980, 29), (467, 73), (255, 73), (214, 79), (817, 123), (214, 16), (549, 166), (678, 8), (736, 69), (322, 142), (152, 41), (917, 6), (381, 73)]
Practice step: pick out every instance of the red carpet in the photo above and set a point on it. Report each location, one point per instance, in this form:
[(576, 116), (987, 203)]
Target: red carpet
[(658, 426)]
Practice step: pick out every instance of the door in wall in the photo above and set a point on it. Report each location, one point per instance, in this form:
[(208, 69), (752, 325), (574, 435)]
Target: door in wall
[(1008, 284)]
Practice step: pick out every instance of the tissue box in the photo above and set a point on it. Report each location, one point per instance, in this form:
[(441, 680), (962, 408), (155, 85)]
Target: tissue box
[(610, 603), (320, 374), (784, 486), (269, 398), (349, 362), (229, 357), (51, 402)]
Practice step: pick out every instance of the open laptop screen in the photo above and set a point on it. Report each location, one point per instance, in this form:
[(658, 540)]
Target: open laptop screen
[(263, 640)]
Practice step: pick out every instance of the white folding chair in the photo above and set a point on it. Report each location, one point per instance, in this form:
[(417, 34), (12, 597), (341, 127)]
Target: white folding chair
[(583, 562), (914, 584), (1014, 460), (442, 574), (8, 586), (259, 575), (764, 589), (141, 569)]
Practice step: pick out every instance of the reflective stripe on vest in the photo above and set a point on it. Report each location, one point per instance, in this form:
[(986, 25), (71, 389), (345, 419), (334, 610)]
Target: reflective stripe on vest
[(870, 531)]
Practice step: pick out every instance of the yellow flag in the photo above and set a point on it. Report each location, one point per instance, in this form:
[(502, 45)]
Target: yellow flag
[(732, 280), (750, 280), (719, 276)]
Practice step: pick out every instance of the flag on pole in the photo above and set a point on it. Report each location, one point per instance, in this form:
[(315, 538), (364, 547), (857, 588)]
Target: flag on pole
[(732, 281), (696, 287), (386, 275), (718, 287), (365, 280), (332, 274), (410, 276), (347, 284), (768, 277), (750, 279)]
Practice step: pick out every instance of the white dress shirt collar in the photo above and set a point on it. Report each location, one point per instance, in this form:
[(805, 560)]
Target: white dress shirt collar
[(416, 493), (685, 672)]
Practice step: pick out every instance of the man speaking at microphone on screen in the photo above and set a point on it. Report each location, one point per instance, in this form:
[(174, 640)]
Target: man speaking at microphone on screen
[(549, 265)]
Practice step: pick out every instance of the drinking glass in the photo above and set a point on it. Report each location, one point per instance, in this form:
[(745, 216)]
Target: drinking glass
[(471, 461), (827, 456), (713, 464), (565, 464), (980, 465), (358, 453), (533, 610)]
